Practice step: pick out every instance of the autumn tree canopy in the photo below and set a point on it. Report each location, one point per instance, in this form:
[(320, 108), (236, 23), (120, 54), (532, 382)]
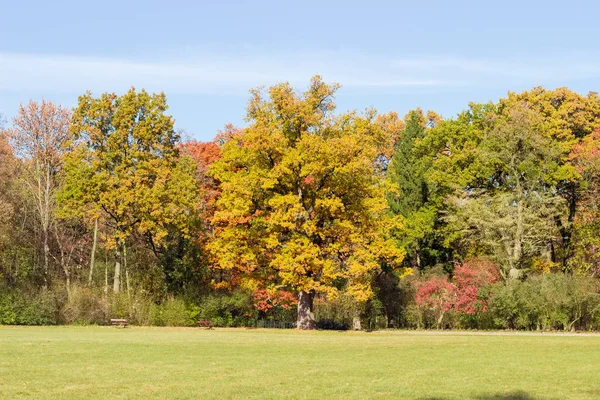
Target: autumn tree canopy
[(124, 163), (301, 201)]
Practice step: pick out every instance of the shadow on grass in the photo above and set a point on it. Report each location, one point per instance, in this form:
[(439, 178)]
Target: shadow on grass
[(518, 395)]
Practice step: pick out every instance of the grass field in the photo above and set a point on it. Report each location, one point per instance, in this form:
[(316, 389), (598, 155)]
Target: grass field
[(139, 363)]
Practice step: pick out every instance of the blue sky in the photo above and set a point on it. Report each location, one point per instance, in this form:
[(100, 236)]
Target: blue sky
[(205, 55)]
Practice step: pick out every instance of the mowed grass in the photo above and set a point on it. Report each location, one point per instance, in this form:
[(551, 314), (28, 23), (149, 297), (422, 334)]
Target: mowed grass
[(141, 363)]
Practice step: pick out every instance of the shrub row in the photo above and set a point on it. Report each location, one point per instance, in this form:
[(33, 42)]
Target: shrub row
[(91, 307), (540, 302), (474, 298)]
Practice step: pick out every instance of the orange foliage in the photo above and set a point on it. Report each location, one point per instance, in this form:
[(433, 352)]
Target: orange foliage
[(204, 154)]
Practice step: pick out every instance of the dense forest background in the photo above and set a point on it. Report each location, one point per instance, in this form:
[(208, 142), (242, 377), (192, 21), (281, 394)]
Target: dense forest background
[(486, 220)]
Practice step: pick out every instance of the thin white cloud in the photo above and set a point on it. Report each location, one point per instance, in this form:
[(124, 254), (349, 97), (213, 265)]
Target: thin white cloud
[(540, 68), (209, 74), (214, 73)]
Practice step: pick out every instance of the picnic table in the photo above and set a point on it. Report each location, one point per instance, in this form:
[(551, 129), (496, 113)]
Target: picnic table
[(206, 324), (119, 322)]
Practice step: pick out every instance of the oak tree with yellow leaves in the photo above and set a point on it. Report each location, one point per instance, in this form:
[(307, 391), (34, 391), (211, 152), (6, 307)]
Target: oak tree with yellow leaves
[(302, 200)]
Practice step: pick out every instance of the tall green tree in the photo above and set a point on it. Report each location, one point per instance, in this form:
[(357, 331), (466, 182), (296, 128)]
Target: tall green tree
[(409, 196), (124, 163), (509, 208), (406, 171), (302, 202)]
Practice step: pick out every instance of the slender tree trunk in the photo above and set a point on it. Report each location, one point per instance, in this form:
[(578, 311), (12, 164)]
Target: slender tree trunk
[(126, 272), (93, 255), (46, 222), (440, 320), (68, 284), (306, 319), (46, 255), (117, 278), (105, 272), (519, 232), (64, 262), (518, 249)]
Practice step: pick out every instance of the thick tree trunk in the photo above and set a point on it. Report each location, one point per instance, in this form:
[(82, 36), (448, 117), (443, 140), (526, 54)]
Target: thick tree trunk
[(93, 255), (117, 278), (306, 319)]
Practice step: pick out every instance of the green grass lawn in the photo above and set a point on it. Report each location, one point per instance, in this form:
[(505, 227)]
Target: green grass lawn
[(110, 363)]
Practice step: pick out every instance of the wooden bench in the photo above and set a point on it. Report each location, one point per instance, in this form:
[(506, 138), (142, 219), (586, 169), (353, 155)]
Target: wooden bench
[(119, 322), (206, 324)]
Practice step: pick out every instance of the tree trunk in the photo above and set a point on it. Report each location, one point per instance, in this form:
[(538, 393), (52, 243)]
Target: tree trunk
[(93, 255), (64, 262), (356, 325), (519, 233), (68, 284), (518, 248), (46, 256), (105, 272), (306, 319), (440, 319), (117, 278), (126, 272)]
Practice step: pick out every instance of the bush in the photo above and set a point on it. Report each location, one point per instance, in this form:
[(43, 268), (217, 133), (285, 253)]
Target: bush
[(436, 298), (227, 310), (547, 302), (172, 312), (85, 306), (336, 314), (17, 308), (413, 317)]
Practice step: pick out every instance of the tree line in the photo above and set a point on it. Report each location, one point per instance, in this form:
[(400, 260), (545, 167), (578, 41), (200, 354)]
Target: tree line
[(488, 219)]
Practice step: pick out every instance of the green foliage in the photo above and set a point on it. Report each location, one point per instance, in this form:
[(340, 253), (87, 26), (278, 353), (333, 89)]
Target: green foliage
[(173, 312), (336, 313), (547, 302), (19, 308), (233, 309), (406, 170), (124, 164), (409, 195)]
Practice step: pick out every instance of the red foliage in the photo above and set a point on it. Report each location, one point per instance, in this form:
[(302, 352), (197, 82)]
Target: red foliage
[(204, 154), (437, 294), (463, 294), (470, 278), (266, 299), (309, 180)]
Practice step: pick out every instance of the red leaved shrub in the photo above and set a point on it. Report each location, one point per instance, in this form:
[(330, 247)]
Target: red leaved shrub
[(470, 278)]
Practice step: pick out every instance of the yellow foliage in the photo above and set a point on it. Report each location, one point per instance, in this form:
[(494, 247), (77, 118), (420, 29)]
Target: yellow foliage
[(302, 198)]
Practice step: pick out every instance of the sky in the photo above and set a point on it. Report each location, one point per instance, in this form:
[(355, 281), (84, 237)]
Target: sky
[(206, 55)]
